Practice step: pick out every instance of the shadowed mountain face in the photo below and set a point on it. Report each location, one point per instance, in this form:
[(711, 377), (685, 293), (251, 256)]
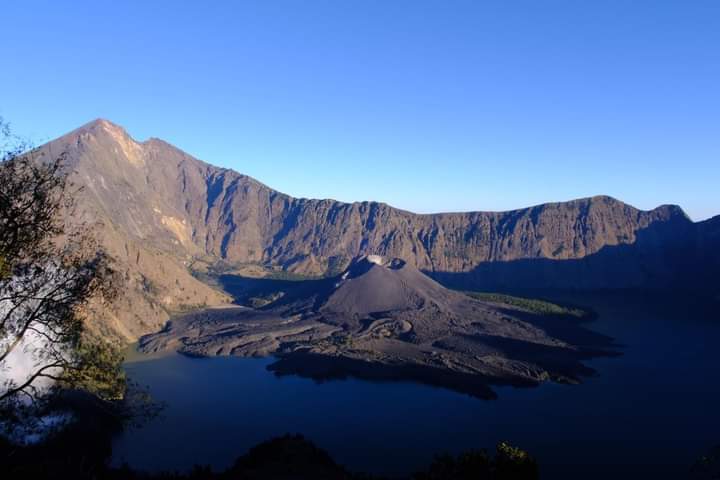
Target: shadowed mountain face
[(708, 246), (160, 209)]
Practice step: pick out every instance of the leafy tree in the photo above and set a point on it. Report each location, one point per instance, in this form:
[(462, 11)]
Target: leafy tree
[(509, 463), (513, 463), (51, 277)]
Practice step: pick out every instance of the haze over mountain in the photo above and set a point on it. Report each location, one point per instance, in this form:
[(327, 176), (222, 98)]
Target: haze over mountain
[(163, 214)]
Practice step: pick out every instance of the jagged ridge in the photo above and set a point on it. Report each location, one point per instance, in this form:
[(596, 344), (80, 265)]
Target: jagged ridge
[(152, 196)]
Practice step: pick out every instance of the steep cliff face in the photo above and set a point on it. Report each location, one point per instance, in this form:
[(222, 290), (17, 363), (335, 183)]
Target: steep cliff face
[(132, 203), (158, 208), (461, 242)]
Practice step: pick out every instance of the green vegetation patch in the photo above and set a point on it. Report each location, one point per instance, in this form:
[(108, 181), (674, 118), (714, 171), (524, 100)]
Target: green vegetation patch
[(540, 307), (264, 300), (290, 276)]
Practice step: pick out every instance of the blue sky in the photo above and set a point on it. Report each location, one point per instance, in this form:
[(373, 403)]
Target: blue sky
[(426, 105)]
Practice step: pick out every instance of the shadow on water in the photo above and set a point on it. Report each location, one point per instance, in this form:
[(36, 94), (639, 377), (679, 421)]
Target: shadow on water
[(322, 368), (649, 413)]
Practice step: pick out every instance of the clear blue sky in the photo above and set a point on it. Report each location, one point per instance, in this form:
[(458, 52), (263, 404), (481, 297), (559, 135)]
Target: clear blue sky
[(426, 105)]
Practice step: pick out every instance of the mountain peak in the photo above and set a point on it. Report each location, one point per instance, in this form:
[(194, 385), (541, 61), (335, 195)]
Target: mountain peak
[(102, 124), (102, 133)]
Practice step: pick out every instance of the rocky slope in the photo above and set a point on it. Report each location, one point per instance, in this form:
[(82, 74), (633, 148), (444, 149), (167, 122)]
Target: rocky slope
[(121, 204), (159, 209)]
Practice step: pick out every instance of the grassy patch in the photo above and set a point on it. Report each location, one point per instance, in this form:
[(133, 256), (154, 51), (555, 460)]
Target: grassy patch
[(264, 300), (540, 307), (290, 276)]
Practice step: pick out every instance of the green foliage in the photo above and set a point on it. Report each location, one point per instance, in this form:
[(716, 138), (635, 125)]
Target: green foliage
[(52, 280), (509, 463), (264, 300), (33, 192), (289, 276), (540, 307), (512, 463), (99, 370)]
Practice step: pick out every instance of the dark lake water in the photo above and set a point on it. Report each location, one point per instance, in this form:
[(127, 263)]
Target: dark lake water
[(649, 413)]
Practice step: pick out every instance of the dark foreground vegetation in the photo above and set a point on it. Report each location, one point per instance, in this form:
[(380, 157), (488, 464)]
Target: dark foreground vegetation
[(84, 450)]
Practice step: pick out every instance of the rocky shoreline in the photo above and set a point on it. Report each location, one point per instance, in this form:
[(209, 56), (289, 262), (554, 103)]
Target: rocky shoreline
[(388, 321)]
